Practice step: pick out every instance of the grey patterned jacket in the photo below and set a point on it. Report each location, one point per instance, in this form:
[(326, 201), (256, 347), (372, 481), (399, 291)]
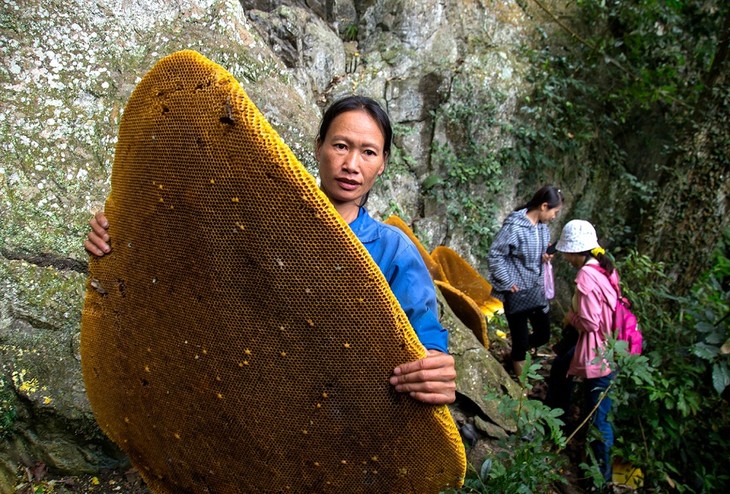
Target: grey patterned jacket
[(515, 256)]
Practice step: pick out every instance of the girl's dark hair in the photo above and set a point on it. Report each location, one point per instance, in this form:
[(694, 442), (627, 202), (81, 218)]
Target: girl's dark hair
[(549, 194), (603, 260), (368, 105), (350, 103)]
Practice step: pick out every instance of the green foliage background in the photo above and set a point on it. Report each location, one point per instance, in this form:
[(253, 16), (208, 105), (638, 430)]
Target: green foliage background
[(628, 117)]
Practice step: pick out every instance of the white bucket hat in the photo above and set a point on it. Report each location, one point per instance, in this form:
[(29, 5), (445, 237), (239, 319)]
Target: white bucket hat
[(577, 236)]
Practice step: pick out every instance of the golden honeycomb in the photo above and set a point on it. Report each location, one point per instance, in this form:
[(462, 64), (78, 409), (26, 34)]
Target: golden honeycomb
[(239, 338), (462, 276), (466, 310), (436, 272)]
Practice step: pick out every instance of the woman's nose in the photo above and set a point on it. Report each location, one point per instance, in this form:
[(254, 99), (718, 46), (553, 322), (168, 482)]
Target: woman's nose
[(351, 161)]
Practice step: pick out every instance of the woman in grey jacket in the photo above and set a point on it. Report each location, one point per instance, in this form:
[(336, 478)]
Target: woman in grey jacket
[(516, 260)]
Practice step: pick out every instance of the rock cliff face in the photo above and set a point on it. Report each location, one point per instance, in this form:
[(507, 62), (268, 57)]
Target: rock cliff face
[(67, 70)]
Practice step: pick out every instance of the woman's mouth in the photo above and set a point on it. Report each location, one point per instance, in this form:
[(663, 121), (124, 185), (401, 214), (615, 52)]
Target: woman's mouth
[(347, 184)]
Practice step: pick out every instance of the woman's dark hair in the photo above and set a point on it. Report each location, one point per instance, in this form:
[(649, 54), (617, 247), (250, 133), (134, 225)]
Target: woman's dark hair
[(363, 103), (351, 103), (549, 194), (603, 260)]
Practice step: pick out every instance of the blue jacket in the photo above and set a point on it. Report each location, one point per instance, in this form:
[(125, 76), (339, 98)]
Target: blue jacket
[(407, 275)]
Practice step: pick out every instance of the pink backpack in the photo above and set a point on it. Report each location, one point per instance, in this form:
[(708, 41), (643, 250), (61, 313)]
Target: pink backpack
[(624, 323)]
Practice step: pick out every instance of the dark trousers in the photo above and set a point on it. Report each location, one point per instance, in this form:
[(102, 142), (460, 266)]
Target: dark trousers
[(560, 384), (522, 339)]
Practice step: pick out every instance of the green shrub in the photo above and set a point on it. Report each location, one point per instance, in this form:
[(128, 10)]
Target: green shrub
[(527, 461), (670, 415)]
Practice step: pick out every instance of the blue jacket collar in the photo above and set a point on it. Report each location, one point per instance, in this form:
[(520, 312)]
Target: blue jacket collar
[(364, 227)]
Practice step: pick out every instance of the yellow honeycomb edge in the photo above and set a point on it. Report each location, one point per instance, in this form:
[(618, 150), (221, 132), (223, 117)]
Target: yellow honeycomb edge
[(463, 276), (466, 310)]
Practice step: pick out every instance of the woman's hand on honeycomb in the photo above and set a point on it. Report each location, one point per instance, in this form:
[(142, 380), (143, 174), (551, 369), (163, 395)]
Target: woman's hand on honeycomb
[(97, 242), (431, 379)]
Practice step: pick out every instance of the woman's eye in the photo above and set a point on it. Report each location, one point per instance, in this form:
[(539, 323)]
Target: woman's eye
[(370, 152), (339, 146)]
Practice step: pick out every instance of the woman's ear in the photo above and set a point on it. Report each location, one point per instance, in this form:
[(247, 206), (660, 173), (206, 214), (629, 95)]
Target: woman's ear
[(317, 147), (382, 167), (544, 206)]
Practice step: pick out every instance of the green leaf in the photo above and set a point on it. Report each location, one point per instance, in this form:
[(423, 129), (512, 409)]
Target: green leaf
[(431, 181), (486, 468), (715, 339), (720, 376), (705, 327), (705, 351)]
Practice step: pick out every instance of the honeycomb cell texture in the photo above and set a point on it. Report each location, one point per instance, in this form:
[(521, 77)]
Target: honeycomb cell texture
[(466, 310), (239, 338), (462, 276)]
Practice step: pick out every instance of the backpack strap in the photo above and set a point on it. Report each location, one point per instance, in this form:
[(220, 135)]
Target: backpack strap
[(613, 282), (615, 288)]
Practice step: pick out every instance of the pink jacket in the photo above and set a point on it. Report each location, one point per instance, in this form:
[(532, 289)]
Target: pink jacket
[(592, 315)]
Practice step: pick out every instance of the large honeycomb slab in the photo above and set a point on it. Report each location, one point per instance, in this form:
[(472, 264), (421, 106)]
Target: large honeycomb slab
[(466, 310), (465, 278), (239, 338)]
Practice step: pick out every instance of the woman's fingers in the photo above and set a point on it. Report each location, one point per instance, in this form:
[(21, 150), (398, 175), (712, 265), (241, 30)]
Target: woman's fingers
[(97, 241), (431, 379)]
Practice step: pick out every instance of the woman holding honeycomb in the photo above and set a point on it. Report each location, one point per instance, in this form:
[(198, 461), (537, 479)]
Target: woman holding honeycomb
[(352, 149)]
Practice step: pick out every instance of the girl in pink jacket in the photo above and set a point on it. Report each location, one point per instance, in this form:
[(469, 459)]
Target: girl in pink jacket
[(591, 314)]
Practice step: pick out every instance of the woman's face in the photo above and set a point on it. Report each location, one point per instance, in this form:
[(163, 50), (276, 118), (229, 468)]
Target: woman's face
[(351, 158), (548, 214)]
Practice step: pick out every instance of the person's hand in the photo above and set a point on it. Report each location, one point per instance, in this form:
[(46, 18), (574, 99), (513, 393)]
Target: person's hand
[(547, 257), (514, 289), (97, 242), (431, 380)]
